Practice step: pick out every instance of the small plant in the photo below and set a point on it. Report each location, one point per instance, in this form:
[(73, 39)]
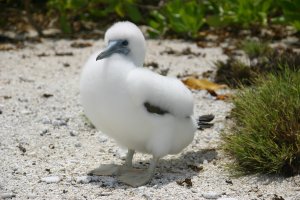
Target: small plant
[(234, 73), (291, 11), (125, 8), (82, 10), (182, 17), (262, 61), (266, 138), (255, 49), (158, 24), (240, 12), (185, 17), (66, 11)]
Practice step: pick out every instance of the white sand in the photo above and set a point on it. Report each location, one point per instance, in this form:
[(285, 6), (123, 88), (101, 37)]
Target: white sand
[(46, 147)]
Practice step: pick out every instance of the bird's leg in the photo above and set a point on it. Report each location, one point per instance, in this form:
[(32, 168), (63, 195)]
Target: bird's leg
[(138, 177), (129, 156), (112, 169), (128, 162)]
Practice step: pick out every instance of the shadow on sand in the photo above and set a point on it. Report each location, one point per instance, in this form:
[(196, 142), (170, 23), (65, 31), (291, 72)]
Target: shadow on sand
[(169, 169)]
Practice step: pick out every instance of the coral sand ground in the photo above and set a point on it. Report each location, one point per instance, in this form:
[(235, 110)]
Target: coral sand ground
[(47, 147)]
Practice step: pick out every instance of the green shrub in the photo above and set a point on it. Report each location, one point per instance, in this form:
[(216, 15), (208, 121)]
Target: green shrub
[(262, 61), (182, 17), (174, 17), (234, 73), (240, 12), (266, 138), (158, 24), (65, 9), (94, 10), (255, 49), (185, 17), (291, 11)]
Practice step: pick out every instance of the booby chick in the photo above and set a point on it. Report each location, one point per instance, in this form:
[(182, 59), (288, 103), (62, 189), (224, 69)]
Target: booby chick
[(140, 109)]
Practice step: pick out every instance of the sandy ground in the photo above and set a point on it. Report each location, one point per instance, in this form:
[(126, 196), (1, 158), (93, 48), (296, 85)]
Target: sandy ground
[(47, 147)]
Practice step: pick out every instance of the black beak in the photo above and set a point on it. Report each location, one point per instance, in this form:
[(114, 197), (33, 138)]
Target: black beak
[(115, 46)]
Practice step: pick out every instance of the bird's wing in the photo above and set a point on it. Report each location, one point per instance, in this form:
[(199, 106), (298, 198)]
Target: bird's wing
[(159, 94)]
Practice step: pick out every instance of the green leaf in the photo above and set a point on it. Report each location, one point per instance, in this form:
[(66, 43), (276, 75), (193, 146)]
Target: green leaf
[(296, 24), (64, 24), (119, 10), (289, 6), (133, 12)]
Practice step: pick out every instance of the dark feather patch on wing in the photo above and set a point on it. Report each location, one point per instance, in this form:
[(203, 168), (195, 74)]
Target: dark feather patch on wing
[(203, 121), (155, 109), (206, 118)]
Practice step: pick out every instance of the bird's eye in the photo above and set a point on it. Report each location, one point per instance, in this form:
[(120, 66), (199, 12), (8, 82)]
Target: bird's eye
[(125, 43)]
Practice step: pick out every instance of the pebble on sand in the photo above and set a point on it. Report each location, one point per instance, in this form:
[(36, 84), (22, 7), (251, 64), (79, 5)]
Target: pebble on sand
[(60, 122), (211, 195), (78, 145), (105, 194), (7, 195), (51, 179), (31, 196), (102, 139), (46, 120), (73, 133), (83, 179), (44, 131)]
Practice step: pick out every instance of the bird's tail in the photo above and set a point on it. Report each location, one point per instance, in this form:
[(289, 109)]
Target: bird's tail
[(203, 121)]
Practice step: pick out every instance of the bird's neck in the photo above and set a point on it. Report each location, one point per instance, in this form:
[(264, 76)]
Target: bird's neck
[(137, 57), (119, 65)]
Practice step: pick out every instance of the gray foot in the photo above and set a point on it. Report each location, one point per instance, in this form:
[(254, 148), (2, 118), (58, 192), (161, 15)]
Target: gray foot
[(106, 170), (109, 170), (135, 177)]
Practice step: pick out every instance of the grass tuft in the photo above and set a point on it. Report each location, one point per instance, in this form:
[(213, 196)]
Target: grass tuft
[(255, 49), (234, 73), (266, 138), (263, 60)]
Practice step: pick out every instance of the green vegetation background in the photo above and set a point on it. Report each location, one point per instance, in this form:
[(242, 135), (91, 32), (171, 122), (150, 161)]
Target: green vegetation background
[(184, 18)]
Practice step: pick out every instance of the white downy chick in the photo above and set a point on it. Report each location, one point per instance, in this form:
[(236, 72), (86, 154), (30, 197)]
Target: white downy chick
[(143, 111)]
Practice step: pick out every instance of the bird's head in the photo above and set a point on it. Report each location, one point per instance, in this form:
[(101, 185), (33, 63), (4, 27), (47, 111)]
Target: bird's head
[(127, 39)]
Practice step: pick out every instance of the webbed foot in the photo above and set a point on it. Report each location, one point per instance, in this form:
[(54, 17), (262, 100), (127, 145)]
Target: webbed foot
[(138, 177), (135, 177), (108, 170)]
